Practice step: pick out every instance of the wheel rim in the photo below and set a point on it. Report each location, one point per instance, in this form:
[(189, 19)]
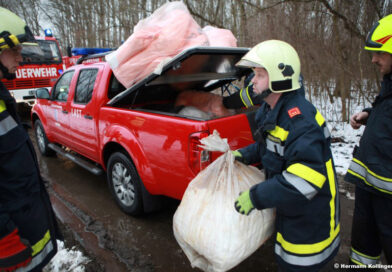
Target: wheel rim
[(122, 184), (40, 138)]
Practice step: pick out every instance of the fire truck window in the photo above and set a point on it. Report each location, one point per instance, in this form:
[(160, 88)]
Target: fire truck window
[(50, 53), (61, 89), (85, 85)]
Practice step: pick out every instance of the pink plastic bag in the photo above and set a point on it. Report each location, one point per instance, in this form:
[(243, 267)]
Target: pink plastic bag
[(167, 32), (220, 37)]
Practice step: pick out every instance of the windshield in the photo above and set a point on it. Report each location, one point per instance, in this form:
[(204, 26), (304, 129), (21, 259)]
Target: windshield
[(49, 48)]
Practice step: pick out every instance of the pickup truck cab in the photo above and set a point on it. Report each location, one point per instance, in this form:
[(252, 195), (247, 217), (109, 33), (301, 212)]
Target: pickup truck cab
[(137, 135)]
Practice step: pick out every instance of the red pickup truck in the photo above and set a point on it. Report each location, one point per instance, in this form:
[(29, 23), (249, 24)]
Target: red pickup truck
[(138, 135)]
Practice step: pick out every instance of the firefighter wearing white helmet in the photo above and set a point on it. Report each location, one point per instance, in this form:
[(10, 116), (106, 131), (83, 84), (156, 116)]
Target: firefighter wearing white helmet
[(371, 167), (292, 143), (13, 34), (28, 228), (280, 60)]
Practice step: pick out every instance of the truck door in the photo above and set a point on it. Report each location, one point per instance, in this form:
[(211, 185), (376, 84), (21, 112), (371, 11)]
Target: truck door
[(84, 114), (59, 108)]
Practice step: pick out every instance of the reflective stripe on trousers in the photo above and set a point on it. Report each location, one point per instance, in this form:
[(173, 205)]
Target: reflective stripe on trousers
[(40, 250), (362, 259)]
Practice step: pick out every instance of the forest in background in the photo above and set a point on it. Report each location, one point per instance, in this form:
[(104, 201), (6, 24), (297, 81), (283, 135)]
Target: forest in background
[(329, 35)]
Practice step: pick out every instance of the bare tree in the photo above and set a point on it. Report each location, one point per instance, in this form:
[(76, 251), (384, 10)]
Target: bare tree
[(329, 35)]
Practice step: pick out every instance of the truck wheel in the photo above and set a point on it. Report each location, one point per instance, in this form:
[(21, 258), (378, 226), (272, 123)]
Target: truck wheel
[(125, 184), (42, 140)]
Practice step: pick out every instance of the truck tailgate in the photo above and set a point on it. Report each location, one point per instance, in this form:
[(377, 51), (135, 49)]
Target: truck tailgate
[(235, 128)]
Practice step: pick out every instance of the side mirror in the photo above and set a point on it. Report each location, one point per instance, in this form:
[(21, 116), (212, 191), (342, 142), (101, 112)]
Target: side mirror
[(42, 93)]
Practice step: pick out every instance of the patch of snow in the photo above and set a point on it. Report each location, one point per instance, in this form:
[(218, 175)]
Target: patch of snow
[(342, 151), (350, 196), (66, 260), (332, 112)]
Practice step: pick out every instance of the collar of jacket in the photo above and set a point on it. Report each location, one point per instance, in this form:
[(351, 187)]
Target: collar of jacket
[(5, 94), (386, 89), (386, 86), (272, 115), (9, 101)]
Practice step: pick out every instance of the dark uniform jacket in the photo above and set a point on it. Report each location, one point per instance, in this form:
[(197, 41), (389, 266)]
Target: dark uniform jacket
[(293, 145), (24, 201), (371, 167)]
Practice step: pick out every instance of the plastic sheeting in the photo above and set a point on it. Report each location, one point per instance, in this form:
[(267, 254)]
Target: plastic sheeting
[(167, 32), (213, 235), (219, 37), (191, 111)]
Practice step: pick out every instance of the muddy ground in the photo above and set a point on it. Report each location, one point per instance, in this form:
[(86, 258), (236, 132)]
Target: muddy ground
[(72, 240)]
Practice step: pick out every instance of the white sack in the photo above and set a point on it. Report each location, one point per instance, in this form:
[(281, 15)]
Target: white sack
[(213, 235)]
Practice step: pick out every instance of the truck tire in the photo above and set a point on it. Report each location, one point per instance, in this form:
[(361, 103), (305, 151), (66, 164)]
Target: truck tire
[(42, 140), (125, 184)]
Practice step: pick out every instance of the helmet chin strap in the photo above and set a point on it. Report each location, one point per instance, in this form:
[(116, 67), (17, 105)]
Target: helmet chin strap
[(6, 73), (264, 94), (258, 98)]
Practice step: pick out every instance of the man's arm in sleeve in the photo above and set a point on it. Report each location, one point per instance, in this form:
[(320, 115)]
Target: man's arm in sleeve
[(303, 176), (251, 153)]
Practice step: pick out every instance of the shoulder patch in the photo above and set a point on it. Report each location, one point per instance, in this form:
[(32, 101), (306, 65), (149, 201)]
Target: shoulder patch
[(294, 112)]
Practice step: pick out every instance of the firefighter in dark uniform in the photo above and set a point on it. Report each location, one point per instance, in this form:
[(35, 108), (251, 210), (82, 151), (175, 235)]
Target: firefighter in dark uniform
[(246, 97), (28, 228), (371, 167), (293, 146)]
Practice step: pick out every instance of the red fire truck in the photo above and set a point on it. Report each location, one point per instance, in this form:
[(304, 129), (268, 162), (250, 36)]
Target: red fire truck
[(36, 71)]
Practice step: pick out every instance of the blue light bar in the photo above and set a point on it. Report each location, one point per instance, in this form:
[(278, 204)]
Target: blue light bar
[(48, 32), (89, 51)]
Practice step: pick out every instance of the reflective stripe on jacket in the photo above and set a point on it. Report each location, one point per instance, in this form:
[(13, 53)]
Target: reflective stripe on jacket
[(371, 167), (294, 148), (246, 96)]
